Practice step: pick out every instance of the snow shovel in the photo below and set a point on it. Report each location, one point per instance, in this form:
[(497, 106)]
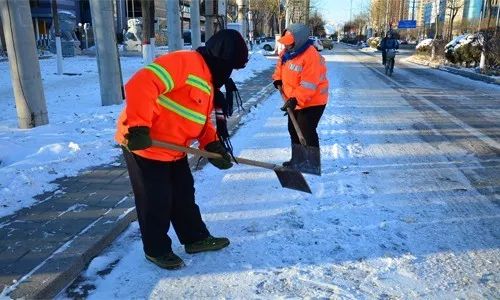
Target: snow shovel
[(308, 158), (288, 178)]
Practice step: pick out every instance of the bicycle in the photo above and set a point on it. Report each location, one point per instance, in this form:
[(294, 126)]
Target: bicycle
[(389, 61)]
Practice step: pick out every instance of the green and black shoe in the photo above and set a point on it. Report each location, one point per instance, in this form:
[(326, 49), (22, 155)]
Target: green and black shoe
[(208, 244), (168, 261)]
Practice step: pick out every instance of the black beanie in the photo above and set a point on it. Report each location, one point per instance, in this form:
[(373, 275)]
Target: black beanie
[(228, 45)]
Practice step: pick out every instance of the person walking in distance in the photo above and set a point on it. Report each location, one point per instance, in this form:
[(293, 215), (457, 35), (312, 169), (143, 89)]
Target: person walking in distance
[(301, 75), (172, 100)]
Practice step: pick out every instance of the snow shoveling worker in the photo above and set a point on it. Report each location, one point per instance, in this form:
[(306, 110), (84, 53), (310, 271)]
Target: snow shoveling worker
[(301, 74), (172, 100)]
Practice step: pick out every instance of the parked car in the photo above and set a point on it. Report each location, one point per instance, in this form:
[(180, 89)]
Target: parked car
[(267, 44), (327, 43), (317, 43), (362, 44)]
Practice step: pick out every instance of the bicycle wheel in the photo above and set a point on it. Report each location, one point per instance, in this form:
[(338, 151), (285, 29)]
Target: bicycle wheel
[(392, 67), (387, 63)]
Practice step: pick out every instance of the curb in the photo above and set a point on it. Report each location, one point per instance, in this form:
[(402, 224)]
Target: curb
[(474, 76), (60, 269)]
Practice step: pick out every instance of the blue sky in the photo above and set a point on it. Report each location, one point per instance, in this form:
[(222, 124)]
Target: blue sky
[(338, 10)]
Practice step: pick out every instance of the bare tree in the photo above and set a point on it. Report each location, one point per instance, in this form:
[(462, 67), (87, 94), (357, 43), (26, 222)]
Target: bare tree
[(317, 24), (453, 6)]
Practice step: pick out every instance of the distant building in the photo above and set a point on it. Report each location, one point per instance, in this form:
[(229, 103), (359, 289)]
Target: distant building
[(472, 9)]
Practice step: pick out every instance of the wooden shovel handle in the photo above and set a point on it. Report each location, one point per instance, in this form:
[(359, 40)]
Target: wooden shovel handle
[(302, 140), (207, 154)]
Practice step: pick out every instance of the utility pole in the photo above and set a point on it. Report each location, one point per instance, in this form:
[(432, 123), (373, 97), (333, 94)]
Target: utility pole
[(195, 24), (288, 7), (242, 15), (23, 61), (148, 37), (279, 17), (174, 26), (209, 19), (498, 14), (308, 4), (2, 36), (386, 16), (350, 13), (436, 2), (482, 61), (107, 53), (57, 31), (413, 11)]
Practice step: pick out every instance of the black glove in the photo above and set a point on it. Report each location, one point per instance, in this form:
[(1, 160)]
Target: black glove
[(222, 163), (290, 103), (278, 84), (138, 138)]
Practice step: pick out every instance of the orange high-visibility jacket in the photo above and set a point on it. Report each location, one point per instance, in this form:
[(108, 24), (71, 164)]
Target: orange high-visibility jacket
[(174, 97), (304, 77)]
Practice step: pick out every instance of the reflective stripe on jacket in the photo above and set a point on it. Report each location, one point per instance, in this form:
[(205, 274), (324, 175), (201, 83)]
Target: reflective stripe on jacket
[(174, 97), (304, 77)]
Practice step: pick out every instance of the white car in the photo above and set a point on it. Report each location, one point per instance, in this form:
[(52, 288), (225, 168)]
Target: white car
[(268, 43), (317, 43)]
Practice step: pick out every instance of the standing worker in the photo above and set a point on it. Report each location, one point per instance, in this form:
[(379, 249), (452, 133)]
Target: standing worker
[(301, 75), (172, 100)]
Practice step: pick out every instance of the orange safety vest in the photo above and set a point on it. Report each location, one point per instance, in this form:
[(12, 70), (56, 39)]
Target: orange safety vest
[(304, 77), (173, 96)]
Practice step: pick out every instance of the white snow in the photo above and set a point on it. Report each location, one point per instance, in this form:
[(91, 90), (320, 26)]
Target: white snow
[(424, 43), (392, 216), (79, 134)]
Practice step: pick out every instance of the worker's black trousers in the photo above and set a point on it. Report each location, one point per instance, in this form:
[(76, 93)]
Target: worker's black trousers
[(164, 193), (308, 119)]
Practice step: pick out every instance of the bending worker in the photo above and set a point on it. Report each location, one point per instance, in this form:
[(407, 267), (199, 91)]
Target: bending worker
[(301, 75), (172, 100)]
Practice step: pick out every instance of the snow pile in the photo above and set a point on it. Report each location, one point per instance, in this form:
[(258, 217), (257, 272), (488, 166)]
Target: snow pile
[(256, 62)]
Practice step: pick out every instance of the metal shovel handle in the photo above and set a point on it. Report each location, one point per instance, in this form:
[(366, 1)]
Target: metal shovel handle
[(302, 140), (208, 154)]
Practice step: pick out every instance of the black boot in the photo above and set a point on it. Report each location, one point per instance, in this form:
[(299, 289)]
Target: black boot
[(290, 163), (208, 244), (168, 261)]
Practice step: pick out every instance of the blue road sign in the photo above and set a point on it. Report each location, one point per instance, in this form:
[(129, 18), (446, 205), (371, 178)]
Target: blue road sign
[(407, 24)]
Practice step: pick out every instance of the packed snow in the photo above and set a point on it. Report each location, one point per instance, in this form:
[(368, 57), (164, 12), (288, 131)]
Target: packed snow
[(391, 217), (80, 131)]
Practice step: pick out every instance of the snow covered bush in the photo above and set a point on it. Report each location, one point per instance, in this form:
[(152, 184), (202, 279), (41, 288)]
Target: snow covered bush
[(469, 50), (492, 51), (424, 47), (464, 49), (449, 50), (373, 42)]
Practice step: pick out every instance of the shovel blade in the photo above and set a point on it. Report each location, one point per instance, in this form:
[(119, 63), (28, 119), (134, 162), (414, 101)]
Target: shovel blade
[(292, 179), (306, 159)]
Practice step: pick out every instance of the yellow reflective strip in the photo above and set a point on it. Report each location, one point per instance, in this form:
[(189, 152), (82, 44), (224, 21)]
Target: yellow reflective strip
[(163, 75), (198, 83), (182, 111)]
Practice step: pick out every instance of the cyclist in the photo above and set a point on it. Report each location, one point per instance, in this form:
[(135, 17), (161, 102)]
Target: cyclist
[(388, 42)]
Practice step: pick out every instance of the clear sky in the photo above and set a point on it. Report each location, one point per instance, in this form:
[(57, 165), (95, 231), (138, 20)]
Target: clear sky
[(336, 11)]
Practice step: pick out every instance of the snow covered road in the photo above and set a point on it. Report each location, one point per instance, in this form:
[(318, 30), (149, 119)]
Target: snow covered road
[(407, 206)]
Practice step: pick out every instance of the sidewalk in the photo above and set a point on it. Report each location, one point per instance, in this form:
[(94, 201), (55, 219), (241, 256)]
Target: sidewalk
[(45, 247)]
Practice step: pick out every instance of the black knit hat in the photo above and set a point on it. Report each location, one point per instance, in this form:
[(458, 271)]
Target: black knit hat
[(228, 45)]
